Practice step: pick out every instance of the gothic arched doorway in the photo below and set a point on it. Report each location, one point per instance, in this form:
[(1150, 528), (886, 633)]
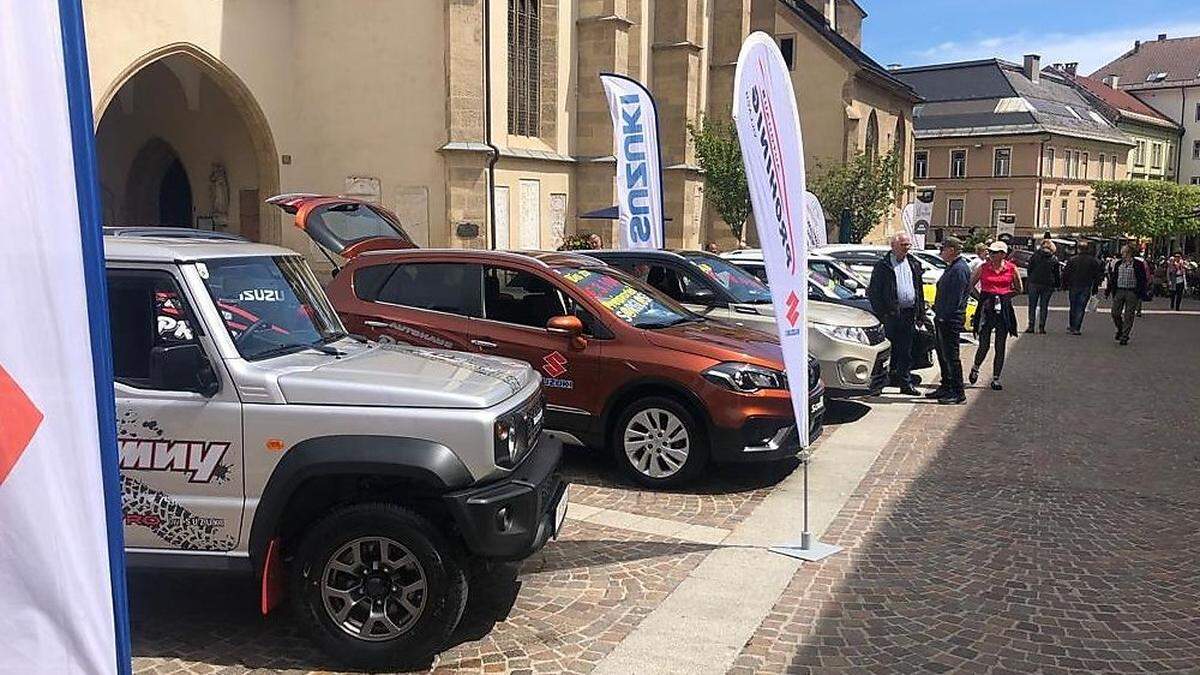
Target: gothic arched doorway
[(181, 141)]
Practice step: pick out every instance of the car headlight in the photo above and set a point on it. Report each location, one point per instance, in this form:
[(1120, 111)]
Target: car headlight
[(744, 377), (515, 433), (843, 333)]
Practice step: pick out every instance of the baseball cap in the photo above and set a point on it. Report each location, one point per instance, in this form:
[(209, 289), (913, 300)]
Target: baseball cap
[(998, 247), (952, 242)]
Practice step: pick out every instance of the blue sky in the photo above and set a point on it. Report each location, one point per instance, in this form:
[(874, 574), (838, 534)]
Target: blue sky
[(918, 32)]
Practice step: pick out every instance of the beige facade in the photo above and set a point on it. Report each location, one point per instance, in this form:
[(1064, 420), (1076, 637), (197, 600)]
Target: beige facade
[(205, 108), (1045, 182)]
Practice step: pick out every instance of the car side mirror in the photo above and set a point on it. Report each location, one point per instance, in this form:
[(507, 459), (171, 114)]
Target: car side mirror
[(183, 368), (569, 327), (700, 296)]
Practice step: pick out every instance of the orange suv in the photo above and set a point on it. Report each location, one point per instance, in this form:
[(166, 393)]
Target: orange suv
[(624, 367)]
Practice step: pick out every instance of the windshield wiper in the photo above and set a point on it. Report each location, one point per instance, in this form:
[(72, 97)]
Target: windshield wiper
[(320, 346), (667, 324)]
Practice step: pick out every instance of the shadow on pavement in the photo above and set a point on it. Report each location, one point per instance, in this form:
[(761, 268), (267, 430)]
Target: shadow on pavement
[(1050, 527), (587, 467)]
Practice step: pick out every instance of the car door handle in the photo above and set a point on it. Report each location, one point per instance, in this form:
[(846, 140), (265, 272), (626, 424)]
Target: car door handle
[(375, 324), (484, 344)]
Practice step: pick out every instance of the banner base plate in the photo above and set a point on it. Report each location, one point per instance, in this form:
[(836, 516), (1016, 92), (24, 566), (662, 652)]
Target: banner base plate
[(813, 552)]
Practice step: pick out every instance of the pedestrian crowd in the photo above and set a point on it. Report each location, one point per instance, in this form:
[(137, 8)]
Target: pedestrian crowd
[(994, 281)]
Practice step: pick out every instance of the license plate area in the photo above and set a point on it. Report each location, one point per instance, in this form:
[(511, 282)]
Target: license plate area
[(560, 510)]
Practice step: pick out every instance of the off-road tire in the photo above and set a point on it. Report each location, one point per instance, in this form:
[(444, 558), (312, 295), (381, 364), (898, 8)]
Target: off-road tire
[(698, 449), (445, 594)]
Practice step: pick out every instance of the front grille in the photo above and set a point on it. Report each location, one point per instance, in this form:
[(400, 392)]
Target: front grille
[(875, 334), (879, 375), (534, 414)]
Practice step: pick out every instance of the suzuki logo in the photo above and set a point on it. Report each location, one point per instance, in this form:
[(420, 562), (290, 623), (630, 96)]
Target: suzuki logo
[(793, 312), (554, 364), (21, 420)]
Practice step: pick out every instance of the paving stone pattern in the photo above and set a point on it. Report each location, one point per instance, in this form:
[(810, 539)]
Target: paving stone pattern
[(563, 611), (1053, 527)]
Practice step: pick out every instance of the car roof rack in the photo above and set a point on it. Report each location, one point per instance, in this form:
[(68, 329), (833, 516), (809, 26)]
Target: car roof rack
[(171, 233)]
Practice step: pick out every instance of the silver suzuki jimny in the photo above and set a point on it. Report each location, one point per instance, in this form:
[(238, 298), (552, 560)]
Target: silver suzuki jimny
[(358, 479)]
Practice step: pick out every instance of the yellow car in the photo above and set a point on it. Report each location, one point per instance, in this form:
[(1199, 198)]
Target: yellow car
[(930, 293)]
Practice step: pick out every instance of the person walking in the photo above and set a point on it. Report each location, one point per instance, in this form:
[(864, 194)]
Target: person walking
[(896, 297), (1177, 280), (1044, 276), (1081, 278), (949, 311), (1127, 283), (999, 282)]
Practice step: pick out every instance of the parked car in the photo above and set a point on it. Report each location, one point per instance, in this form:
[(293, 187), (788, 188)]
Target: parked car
[(257, 435), (824, 289), (848, 342), (751, 260), (862, 258)]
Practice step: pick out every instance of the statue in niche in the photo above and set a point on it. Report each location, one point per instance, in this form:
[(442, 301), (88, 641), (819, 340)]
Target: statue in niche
[(218, 193)]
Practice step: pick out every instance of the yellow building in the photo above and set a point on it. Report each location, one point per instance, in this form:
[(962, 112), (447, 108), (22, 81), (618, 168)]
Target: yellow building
[(1001, 138), (204, 108)]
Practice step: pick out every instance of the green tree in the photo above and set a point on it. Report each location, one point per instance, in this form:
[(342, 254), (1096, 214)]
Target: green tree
[(725, 185), (865, 186), (1142, 208)]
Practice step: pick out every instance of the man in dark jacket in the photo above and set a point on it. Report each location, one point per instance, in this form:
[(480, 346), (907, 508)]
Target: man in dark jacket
[(1127, 284), (1081, 277), (950, 310), (896, 296), (1044, 277)]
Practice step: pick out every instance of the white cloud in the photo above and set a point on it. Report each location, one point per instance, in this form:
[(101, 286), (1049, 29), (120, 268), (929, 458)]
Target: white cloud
[(1090, 50)]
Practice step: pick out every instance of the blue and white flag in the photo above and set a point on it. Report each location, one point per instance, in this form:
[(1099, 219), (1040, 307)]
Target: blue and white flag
[(62, 578), (639, 162), (768, 126)]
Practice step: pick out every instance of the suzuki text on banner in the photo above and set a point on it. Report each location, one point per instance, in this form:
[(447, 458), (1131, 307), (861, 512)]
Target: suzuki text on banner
[(639, 162), (62, 599), (768, 125)]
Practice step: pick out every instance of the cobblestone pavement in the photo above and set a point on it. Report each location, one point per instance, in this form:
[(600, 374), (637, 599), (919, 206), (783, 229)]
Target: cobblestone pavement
[(560, 611), (1052, 527)]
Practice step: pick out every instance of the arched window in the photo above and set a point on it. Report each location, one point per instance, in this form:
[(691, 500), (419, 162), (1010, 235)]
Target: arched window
[(872, 144), (524, 67)]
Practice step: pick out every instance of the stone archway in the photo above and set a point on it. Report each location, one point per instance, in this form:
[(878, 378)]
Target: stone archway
[(181, 114)]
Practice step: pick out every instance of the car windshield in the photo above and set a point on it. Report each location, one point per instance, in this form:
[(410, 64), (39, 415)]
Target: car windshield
[(932, 260), (743, 286), (629, 300), (271, 305), (830, 287)]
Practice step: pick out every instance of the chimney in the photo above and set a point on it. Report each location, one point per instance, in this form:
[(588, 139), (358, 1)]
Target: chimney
[(1071, 68), (1112, 80), (1137, 44), (1162, 36), (1033, 67)]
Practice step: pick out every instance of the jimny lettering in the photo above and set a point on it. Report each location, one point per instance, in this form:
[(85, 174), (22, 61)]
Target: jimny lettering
[(197, 459), (637, 182)]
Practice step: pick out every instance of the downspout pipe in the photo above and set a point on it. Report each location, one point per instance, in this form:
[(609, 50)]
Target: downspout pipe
[(494, 152), (1037, 200)]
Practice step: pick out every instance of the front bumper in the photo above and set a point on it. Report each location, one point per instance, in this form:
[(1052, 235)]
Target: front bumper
[(514, 517), (768, 438), (871, 385)]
